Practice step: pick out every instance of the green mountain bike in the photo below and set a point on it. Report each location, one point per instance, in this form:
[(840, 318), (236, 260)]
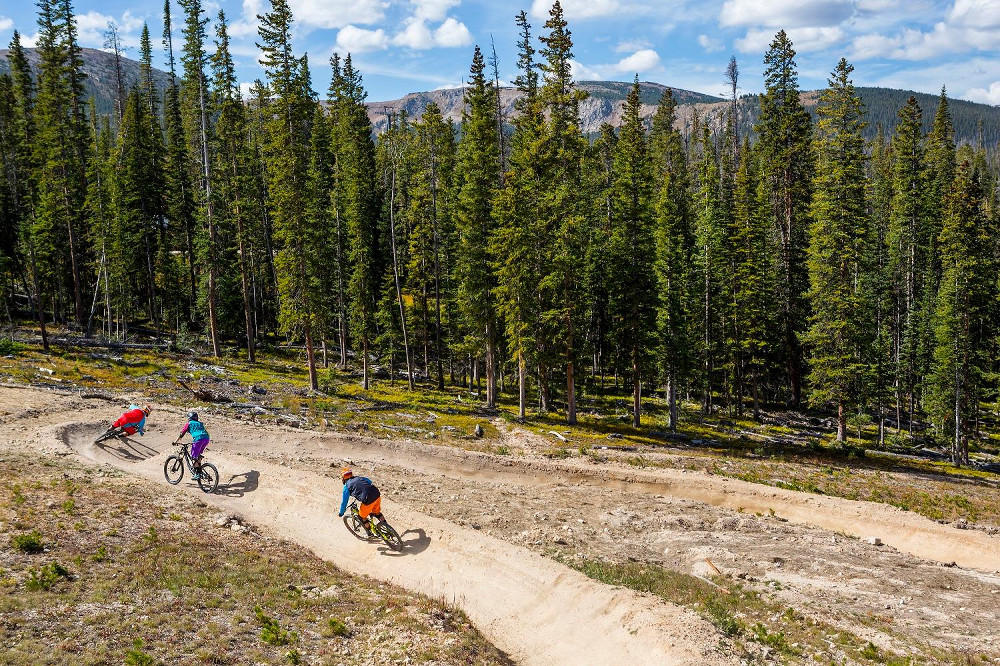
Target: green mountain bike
[(379, 528), (206, 474)]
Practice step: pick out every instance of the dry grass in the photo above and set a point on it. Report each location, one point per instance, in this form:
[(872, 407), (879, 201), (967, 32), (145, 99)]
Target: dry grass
[(129, 574)]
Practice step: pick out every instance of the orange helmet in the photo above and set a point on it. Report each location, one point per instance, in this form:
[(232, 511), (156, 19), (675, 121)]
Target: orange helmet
[(147, 409), (346, 473)]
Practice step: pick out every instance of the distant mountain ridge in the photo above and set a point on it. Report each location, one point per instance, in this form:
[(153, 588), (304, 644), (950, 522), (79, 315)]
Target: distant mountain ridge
[(100, 83), (603, 104)]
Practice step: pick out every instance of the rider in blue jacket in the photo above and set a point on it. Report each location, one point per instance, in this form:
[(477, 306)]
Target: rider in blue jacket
[(362, 489)]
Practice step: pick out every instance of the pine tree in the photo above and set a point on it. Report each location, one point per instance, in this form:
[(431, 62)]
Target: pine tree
[(392, 152), (675, 249), (287, 172), (478, 177), (908, 252), (840, 325), (753, 295), (562, 204), (233, 184), (195, 111), (178, 184), (61, 183), (598, 178), (356, 171), (18, 199), (961, 326), (710, 248), (880, 194), (432, 152), (633, 302), (516, 248), (785, 131)]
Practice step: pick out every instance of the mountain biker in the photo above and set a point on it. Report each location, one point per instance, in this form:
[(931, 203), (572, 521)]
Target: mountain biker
[(362, 489), (132, 420), (199, 437)]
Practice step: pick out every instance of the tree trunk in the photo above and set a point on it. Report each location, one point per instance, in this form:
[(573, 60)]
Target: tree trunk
[(491, 379), (364, 363), (244, 284), (841, 423), (672, 399), (311, 357), (395, 274), (636, 395), (522, 385)]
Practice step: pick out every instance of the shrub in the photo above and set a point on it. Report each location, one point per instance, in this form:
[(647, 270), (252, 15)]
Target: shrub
[(46, 577), (136, 657), (271, 632), (338, 628), (9, 347), (30, 542)]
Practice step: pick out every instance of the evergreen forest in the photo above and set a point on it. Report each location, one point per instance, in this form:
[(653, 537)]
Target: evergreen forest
[(825, 260)]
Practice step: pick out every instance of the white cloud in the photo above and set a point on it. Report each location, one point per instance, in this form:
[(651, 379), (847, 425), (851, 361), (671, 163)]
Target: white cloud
[(786, 13), (978, 14), (803, 39), (581, 72), (433, 10), (91, 27), (452, 33), (309, 14), (6, 23), (577, 9), (990, 96), (336, 13), (418, 35), (632, 45), (710, 44), (352, 39), (640, 61), (644, 60), (247, 24)]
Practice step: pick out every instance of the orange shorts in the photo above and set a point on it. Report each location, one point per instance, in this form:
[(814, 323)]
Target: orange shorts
[(375, 507)]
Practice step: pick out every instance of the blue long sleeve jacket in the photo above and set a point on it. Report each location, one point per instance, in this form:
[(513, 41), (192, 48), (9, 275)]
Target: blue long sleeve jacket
[(362, 489)]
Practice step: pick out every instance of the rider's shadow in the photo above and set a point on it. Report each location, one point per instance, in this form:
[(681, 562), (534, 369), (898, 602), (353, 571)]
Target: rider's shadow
[(240, 484), (415, 545), (131, 450)]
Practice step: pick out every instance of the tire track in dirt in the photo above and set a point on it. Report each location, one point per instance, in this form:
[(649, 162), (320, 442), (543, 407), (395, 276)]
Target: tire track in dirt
[(536, 610)]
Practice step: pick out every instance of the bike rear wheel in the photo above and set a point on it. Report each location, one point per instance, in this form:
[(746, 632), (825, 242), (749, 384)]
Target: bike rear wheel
[(389, 535), (108, 434), (208, 478), (173, 469)]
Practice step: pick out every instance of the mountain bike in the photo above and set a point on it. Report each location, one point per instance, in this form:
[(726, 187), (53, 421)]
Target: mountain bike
[(379, 528), (206, 474), (109, 433)]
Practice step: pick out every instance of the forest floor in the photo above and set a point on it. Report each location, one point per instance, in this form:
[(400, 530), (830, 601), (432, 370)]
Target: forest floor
[(745, 542)]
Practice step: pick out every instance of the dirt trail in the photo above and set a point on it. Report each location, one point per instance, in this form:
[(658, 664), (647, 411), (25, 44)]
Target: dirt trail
[(536, 610)]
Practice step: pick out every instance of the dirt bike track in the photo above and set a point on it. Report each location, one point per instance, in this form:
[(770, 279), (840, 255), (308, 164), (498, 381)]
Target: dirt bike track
[(535, 609)]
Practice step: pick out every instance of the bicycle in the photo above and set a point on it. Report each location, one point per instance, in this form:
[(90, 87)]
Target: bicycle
[(109, 433), (173, 469), (377, 530)]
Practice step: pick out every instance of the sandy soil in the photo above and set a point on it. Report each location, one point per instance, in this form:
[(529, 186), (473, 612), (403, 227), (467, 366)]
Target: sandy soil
[(477, 529)]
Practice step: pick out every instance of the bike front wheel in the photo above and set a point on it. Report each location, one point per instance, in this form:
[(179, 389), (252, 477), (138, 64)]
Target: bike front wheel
[(173, 469), (356, 526), (389, 535), (208, 478)]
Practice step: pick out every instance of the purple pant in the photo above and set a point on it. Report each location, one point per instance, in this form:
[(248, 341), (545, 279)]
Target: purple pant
[(198, 446)]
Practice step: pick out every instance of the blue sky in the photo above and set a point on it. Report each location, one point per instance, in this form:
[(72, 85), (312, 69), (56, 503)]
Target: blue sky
[(404, 46)]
